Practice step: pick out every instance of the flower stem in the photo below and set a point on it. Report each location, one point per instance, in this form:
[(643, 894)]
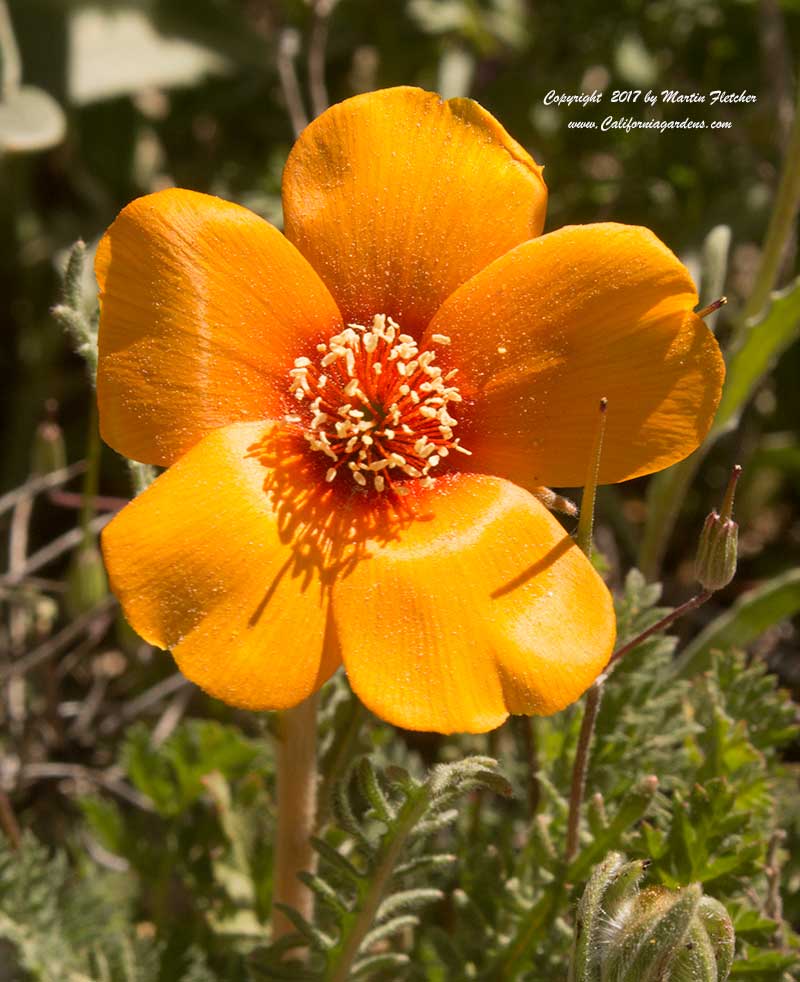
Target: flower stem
[(696, 601), (580, 767), (787, 201), (355, 932), (297, 804)]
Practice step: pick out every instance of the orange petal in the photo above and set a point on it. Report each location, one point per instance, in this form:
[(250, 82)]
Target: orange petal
[(200, 566), (204, 307), (485, 608), (396, 197), (541, 335)]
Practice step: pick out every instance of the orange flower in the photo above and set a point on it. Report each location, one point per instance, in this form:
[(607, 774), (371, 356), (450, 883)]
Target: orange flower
[(362, 494)]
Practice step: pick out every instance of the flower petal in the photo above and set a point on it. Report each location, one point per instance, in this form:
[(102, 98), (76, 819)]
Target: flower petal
[(396, 197), (204, 307), (541, 335), (200, 566), (485, 608)]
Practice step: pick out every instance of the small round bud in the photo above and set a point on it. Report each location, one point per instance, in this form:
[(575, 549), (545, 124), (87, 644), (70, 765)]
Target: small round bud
[(717, 550)]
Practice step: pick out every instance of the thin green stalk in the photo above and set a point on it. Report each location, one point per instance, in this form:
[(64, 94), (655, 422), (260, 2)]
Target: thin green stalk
[(91, 479), (787, 202), (296, 807), (586, 520)]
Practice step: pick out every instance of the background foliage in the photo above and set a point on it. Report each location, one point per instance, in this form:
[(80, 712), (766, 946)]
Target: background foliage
[(138, 815)]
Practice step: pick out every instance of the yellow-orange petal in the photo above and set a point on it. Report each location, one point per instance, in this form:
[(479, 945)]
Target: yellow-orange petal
[(199, 565), (397, 197), (204, 307), (485, 607), (541, 335)]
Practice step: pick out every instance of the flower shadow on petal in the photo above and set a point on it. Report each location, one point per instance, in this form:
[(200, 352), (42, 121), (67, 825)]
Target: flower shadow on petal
[(535, 569), (329, 529)]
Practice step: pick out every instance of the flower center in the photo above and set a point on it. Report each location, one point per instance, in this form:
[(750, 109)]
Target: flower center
[(376, 406)]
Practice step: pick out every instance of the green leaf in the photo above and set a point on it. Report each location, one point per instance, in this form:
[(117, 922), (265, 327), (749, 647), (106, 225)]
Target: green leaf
[(750, 616), (764, 343)]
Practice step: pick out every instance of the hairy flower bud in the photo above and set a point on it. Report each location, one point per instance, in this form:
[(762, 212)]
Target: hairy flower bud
[(650, 935), (717, 550)]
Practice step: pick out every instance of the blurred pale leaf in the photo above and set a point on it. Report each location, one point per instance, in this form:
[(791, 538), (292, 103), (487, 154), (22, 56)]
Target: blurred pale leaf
[(30, 119), (456, 70), (120, 52)]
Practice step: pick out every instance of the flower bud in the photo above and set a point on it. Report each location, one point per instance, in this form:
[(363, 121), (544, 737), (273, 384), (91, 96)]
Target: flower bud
[(87, 583), (717, 550), (632, 935)]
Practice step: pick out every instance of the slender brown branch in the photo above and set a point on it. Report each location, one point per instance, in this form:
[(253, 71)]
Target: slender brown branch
[(581, 766), (35, 485), (97, 502), (582, 753), (95, 620), (692, 604), (147, 700), (57, 771), (64, 543)]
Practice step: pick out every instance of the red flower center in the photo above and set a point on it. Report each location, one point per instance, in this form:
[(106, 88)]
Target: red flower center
[(376, 406)]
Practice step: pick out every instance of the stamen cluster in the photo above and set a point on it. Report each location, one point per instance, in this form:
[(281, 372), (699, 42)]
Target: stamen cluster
[(377, 406)]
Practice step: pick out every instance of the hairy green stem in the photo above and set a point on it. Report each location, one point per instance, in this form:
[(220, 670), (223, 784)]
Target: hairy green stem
[(412, 811), (297, 802), (580, 767)]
